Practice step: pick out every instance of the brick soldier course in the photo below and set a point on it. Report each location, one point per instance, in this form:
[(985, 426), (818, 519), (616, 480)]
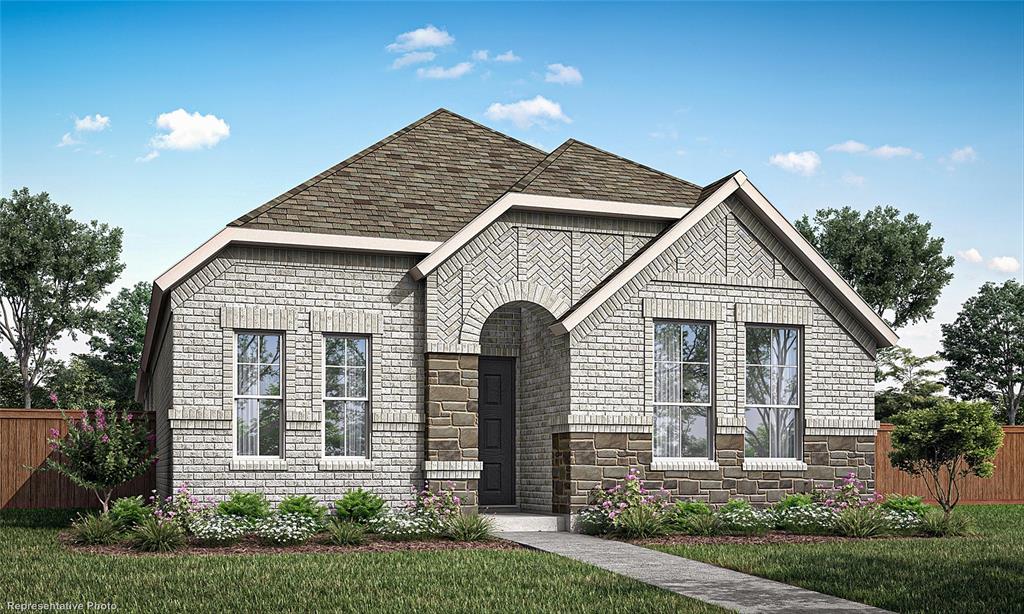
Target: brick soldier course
[(447, 244)]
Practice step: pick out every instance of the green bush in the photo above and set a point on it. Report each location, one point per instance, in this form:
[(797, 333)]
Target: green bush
[(251, 505), (303, 504), (703, 524), (128, 512), (735, 505), (737, 516), (866, 521), (359, 506), (156, 535), (795, 500), (286, 529), (346, 532), (679, 515), (906, 503), (469, 528), (94, 529), (938, 524), (640, 522)]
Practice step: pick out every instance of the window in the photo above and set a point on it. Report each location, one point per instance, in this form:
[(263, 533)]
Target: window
[(258, 394), (682, 390), (773, 392), (346, 395)]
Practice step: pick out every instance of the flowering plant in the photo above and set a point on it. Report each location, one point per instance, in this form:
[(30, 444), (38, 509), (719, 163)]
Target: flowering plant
[(220, 528), (849, 494), (284, 529), (607, 505), (403, 525), (100, 451), (436, 505), (181, 507)]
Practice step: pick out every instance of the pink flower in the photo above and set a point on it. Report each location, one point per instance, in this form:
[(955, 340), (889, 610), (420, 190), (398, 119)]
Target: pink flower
[(54, 433), (53, 398), (129, 418), (105, 439)]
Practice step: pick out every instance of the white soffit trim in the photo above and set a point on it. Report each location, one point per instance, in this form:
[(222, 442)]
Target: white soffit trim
[(538, 202), (789, 235), (647, 256)]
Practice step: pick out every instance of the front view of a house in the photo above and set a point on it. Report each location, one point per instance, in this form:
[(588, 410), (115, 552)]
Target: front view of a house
[(452, 304)]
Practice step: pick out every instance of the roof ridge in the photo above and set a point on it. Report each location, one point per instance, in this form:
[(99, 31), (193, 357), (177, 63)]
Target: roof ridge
[(640, 164), (489, 129), (536, 171)]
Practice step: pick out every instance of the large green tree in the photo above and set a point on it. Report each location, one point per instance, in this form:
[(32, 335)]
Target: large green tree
[(984, 347), (116, 344), (912, 382), (893, 262), (53, 269)]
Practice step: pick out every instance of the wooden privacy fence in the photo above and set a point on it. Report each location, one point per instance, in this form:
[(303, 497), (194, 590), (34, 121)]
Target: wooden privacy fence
[(1005, 486), (23, 446)]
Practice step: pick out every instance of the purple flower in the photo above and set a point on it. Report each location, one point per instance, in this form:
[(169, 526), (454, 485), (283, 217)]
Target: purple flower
[(53, 398), (104, 438), (54, 433), (129, 418)]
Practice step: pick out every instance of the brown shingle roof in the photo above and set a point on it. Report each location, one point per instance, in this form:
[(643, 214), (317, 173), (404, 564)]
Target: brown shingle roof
[(434, 176), (579, 170), (425, 181)]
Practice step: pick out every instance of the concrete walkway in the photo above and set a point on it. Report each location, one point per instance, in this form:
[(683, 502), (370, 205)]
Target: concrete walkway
[(722, 587)]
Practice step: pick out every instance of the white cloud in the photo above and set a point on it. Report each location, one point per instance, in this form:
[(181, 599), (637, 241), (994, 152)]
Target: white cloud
[(963, 154), (526, 113), (92, 123), (481, 55), (887, 152), (850, 146), (189, 130), (413, 57), (508, 56), (422, 38), (803, 163), (971, 255), (440, 72), (560, 73), (1004, 264), (148, 157), (67, 140), (853, 179)]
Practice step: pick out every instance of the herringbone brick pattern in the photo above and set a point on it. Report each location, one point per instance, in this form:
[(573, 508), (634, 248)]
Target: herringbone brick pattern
[(749, 258), (706, 253), (594, 257), (545, 258)]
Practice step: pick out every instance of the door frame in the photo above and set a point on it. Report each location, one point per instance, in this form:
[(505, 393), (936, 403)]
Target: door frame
[(514, 371)]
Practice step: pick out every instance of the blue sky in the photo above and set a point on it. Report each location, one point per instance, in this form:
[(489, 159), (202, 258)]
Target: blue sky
[(928, 98)]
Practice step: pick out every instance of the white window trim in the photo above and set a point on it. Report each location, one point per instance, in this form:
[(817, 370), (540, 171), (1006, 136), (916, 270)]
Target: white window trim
[(689, 461), (771, 462), (235, 396), (346, 461)]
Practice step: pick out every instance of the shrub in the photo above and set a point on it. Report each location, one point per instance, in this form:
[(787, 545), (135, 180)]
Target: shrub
[(403, 526), (220, 529), (940, 524), (945, 444), (100, 452), (346, 532), (640, 521), (606, 505), (866, 521), (305, 505), (127, 512), (678, 516), (735, 505), (703, 524), (359, 506), (437, 505), (94, 529), (811, 519), (182, 507), (251, 505), (469, 528), (737, 516), (157, 535), (795, 500), (909, 504), (285, 529)]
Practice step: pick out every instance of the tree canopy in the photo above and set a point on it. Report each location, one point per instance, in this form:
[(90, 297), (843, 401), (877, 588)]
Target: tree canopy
[(984, 347), (893, 262), (116, 344), (53, 269), (913, 384)]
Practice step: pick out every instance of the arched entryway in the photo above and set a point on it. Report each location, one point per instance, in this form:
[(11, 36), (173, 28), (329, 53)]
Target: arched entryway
[(523, 389)]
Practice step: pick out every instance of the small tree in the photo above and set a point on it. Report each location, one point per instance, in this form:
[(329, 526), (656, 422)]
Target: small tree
[(985, 348), (944, 444), (100, 452)]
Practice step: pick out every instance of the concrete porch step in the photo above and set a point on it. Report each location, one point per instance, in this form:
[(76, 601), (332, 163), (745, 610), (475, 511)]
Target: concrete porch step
[(527, 522)]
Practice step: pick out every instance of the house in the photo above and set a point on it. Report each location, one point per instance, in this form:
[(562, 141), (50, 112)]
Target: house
[(452, 304)]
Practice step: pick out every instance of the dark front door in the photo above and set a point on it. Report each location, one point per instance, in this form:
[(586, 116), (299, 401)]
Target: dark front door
[(497, 431)]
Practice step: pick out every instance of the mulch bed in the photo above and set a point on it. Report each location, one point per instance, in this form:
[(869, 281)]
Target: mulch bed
[(316, 545)]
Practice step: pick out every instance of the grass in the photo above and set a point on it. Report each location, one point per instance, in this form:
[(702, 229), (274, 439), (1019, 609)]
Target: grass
[(36, 569), (983, 573)]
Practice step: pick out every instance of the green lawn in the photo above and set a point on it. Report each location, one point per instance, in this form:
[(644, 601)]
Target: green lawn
[(34, 568), (984, 573)]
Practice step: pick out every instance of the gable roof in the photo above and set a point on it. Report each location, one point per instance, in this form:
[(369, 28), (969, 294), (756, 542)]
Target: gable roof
[(424, 182), (578, 170), (713, 196)]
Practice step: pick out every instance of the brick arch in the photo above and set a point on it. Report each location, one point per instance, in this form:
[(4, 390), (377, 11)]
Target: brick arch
[(513, 291)]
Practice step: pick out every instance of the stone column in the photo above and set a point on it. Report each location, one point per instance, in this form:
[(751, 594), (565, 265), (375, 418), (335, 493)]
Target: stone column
[(452, 432)]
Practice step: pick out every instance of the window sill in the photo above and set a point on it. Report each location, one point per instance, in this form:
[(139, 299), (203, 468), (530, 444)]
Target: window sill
[(774, 464), (345, 464), (259, 464), (683, 464)]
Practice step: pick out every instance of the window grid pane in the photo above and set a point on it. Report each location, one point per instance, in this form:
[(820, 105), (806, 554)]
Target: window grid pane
[(346, 395), (773, 392), (258, 398), (682, 390)]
